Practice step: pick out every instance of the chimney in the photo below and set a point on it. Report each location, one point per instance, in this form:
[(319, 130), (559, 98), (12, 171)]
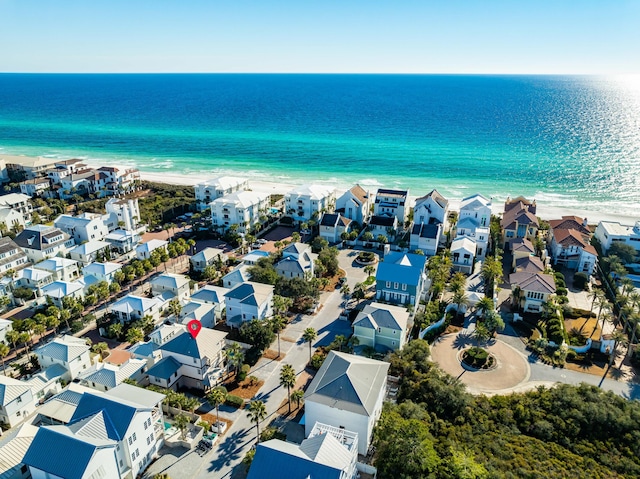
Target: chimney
[(584, 223)]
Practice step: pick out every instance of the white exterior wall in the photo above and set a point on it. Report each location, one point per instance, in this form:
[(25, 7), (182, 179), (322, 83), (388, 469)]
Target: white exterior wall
[(140, 446), (73, 367), (12, 218), (363, 425), (18, 410), (304, 205), (18, 259), (357, 214), (128, 212), (226, 212), (249, 312)]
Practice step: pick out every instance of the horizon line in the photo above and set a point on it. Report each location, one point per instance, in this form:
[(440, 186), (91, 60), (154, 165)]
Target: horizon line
[(317, 73)]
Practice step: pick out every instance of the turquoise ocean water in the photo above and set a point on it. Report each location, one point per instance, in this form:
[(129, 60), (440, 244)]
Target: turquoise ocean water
[(570, 142)]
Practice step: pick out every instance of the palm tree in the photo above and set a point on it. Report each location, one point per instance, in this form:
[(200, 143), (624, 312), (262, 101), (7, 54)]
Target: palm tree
[(100, 348), (459, 299), (516, 295), (603, 305), (485, 305), (216, 397), (288, 380), (481, 334), (618, 338), (257, 413), (182, 423), (278, 323), (234, 356), (13, 337), (369, 270), (297, 396), (135, 335), (4, 350), (309, 335)]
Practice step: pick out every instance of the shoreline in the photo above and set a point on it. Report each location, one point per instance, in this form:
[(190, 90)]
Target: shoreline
[(545, 211)]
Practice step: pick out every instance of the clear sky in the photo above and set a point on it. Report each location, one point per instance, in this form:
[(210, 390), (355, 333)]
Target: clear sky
[(421, 36)]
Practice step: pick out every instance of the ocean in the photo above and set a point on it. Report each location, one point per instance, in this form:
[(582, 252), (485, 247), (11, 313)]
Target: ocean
[(567, 141)]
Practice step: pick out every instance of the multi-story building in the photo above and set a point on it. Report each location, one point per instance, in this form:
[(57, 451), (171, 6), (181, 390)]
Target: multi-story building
[(570, 244), (306, 202), (243, 208), (519, 219), (18, 202), (84, 227), (125, 212), (215, 188), (249, 301), (41, 242), (16, 401), (11, 256), (610, 232), (70, 352), (35, 186), (392, 203), (400, 278), (355, 204)]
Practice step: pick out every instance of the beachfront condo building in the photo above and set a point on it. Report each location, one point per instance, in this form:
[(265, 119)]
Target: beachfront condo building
[(309, 201), (210, 190), (392, 203), (610, 232), (243, 208)]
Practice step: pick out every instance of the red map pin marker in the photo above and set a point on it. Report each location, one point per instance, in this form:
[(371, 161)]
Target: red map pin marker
[(194, 327)]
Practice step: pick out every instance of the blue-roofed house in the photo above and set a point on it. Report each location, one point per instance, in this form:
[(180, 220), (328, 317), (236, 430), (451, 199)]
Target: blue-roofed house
[(12, 452), (68, 351), (47, 382), (249, 301), (102, 271), (236, 276), (63, 269), (382, 326), (58, 290), (144, 250), (58, 452), (132, 308), (59, 409), (400, 278), (328, 453), (213, 295), (177, 285), (16, 401), (208, 257), (104, 376), (126, 421), (90, 251), (297, 262), (332, 225), (203, 312), (190, 362)]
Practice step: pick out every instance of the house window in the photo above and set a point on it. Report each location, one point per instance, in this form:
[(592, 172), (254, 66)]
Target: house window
[(404, 287), (388, 284), (395, 285)]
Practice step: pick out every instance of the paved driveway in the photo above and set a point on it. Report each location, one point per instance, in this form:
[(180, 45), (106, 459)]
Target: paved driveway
[(355, 272)]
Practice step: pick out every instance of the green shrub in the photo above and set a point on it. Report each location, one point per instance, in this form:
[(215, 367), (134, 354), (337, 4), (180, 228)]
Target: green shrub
[(561, 291), (558, 275), (272, 433), (316, 361), (581, 281), (244, 370), (234, 401), (560, 283)]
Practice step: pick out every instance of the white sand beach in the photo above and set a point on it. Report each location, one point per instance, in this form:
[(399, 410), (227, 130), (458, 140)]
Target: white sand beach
[(545, 210)]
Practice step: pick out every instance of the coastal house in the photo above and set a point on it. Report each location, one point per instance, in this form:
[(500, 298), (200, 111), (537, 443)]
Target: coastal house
[(133, 308), (69, 352), (62, 168), (307, 202), (12, 452), (40, 242), (165, 332), (123, 241), (570, 244), (33, 278), (252, 258), (177, 285), (382, 326), (27, 166), (203, 312), (63, 269), (426, 238), (354, 204), (16, 401), (144, 250), (124, 214), (82, 183), (215, 188), (5, 326), (236, 276), (476, 207), (18, 202), (463, 252), (58, 290), (35, 186), (532, 289), (297, 262), (521, 248), (115, 181), (11, 220), (102, 271), (383, 225), (332, 225), (208, 257), (243, 209), (189, 362), (392, 203), (84, 227), (12, 257), (90, 251), (4, 172), (328, 453), (519, 219), (114, 434), (248, 301), (347, 392), (214, 296), (400, 278), (103, 376), (432, 208), (610, 232)]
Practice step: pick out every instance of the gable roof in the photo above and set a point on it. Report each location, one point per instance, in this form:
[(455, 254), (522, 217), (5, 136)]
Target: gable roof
[(569, 237), (377, 315), (61, 289), (66, 348), (206, 343), (529, 264), (522, 245), (170, 280), (40, 237), (11, 389), (132, 303), (110, 375), (250, 293), (57, 451), (12, 451), (208, 254), (210, 294), (463, 243), (165, 368), (141, 396), (536, 282), (475, 202), (406, 268), (119, 413), (151, 245), (570, 222), (101, 269), (348, 382), (90, 247), (436, 197)]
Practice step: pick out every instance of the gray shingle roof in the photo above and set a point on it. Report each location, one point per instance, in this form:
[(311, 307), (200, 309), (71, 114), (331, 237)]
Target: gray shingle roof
[(348, 382)]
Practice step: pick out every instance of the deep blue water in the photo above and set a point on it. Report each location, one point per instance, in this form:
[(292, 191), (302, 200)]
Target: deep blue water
[(568, 141)]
